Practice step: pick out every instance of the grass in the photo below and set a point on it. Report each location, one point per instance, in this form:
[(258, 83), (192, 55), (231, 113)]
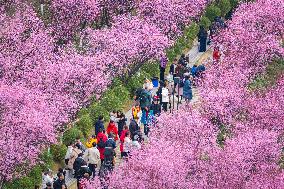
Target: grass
[(223, 134), (269, 78)]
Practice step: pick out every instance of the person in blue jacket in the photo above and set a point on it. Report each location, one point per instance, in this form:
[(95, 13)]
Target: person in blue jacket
[(194, 71), (200, 70), (187, 89)]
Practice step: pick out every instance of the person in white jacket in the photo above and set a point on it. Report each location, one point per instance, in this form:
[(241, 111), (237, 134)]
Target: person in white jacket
[(165, 97), (92, 157), (126, 145), (68, 153), (135, 143), (47, 178)]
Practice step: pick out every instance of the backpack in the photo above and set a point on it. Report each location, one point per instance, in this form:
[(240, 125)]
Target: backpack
[(109, 143), (101, 143), (109, 154)]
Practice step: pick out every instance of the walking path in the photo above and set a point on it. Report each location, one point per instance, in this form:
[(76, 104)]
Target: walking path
[(195, 57)]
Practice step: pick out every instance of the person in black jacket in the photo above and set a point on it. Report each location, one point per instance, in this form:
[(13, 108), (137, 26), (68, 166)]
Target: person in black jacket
[(59, 183), (182, 60), (78, 163), (133, 128), (48, 186), (173, 68), (121, 123), (83, 172), (159, 92), (99, 125), (202, 38), (156, 107)]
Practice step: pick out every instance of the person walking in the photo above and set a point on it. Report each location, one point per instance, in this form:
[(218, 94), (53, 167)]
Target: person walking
[(110, 141), (187, 89), (59, 183), (109, 153), (173, 67), (102, 138), (156, 107), (47, 178), (92, 157), (68, 153), (111, 128), (121, 123), (78, 163), (75, 152), (99, 125), (126, 145), (182, 60), (133, 128), (122, 137), (83, 171), (91, 140), (165, 97), (163, 65), (202, 38)]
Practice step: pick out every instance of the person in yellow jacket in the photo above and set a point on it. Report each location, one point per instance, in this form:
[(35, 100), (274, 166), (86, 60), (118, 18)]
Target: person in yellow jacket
[(91, 140), (135, 112)]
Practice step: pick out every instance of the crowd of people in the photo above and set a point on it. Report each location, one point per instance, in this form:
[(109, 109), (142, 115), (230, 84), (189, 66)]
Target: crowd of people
[(181, 79), (97, 156)]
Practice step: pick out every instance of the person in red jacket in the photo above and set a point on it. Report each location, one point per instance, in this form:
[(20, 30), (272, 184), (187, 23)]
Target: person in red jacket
[(122, 136), (216, 55), (101, 138), (111, 128)]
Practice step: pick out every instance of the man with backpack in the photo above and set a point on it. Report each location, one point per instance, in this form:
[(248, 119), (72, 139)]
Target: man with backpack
[(101, 138), (78, 163), (144, 98), (84, 170), (110, 141), (109, 155)]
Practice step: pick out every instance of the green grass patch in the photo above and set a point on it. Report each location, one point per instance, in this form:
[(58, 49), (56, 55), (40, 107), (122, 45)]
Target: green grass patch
[(269, 78)]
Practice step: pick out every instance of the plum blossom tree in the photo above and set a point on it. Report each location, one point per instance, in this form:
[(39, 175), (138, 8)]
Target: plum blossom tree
[(153, 166), (40, 89), (23, 138), (185, 142), (69, 16), (53, 83), (129, 40), (170, 15), (249, 43)]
